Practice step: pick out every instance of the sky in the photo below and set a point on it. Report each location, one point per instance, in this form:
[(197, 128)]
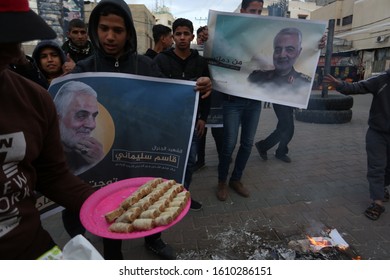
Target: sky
[(194, 10)]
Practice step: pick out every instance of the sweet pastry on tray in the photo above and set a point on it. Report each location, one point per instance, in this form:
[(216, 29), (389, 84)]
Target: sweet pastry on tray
[(155, 203), (121, 227), (130, 215)]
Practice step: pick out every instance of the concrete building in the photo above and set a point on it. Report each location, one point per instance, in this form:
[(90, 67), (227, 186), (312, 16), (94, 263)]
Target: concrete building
[(163, 16), (296, 8), (362, 27), (143, 21)]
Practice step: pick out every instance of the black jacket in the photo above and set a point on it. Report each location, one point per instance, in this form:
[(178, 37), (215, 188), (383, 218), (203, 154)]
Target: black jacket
[(130, 62), (151, 53), (379, 86), (190, 69)]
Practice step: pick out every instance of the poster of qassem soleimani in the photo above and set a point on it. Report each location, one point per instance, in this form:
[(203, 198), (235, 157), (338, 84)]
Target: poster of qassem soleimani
[(123, 126), (263, 58)]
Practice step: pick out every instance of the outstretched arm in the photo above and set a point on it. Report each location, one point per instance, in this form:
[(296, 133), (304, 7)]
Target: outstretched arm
[(332, 81)]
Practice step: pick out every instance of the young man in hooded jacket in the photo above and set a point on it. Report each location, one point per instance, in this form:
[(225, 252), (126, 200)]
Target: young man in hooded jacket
[(184, 63), (50, 59), (113, 36)]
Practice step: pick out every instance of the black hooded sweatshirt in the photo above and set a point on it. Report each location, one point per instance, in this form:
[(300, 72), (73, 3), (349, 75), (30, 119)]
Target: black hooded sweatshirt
[(190, 69), (129, 62)]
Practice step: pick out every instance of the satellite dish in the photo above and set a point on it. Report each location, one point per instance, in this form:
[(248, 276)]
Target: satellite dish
[(381, 39)]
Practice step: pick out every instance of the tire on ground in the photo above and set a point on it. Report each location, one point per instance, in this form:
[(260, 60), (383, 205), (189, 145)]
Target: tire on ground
[(324, 117), (337, 102)]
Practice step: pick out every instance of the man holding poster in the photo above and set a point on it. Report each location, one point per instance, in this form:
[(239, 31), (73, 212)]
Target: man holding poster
[(238, 111), (238, 45)]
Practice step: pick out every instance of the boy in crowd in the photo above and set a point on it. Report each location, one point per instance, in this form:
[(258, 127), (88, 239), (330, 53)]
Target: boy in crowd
[(77, 45), (182, 62), (162, 36), (50, 60), (377, 137)]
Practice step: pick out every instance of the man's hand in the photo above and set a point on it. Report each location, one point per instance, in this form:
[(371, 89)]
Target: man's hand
[(200, 128), (203, 84), (68, 65), (322, 42), (332, 81), (90, 149)]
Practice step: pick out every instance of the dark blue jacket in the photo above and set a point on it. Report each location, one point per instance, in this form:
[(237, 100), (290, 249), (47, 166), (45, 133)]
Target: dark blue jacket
[(379, 86)]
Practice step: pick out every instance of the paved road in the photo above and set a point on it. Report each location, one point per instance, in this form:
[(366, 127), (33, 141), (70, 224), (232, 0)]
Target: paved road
[(323, 188)]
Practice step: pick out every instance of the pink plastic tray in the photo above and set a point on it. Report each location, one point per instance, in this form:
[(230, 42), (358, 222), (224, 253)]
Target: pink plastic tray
[(109, 198)]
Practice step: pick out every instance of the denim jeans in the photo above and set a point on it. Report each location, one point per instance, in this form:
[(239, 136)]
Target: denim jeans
[(217, 133), (191, 160), (237, 111)]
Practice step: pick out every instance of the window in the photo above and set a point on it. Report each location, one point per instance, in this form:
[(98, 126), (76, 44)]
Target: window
[(347, 20)]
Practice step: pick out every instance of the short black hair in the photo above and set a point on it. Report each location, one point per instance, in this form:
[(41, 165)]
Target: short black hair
[(76, 23), (160, 30), (245, 3), (200, 29), (183, 22), (109, 9)]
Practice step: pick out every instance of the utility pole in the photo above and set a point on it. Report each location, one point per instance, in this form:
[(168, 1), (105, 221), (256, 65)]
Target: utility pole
[(201, 20), (328, 55)]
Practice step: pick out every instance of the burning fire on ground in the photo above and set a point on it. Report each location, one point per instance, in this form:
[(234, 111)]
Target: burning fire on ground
[(333, 240), (241, 244)]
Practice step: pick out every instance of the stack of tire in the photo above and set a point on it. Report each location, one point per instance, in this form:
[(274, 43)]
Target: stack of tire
[(333, 109)]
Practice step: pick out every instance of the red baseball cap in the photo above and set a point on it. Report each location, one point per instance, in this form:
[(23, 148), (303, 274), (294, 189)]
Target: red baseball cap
[(20, 24)]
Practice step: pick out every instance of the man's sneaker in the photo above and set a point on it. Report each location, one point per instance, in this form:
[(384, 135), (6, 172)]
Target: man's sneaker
[(284, 158), (239, 188), (161, 249), (222, 191), (195, 206), (262, 153)]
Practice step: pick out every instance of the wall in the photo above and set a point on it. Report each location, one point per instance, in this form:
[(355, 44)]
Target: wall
[(143, 22)]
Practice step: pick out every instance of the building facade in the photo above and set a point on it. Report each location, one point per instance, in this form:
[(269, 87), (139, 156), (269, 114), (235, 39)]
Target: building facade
[(362, 28)]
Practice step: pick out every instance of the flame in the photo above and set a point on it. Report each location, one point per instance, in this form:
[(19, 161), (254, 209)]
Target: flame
[(319, 242)]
